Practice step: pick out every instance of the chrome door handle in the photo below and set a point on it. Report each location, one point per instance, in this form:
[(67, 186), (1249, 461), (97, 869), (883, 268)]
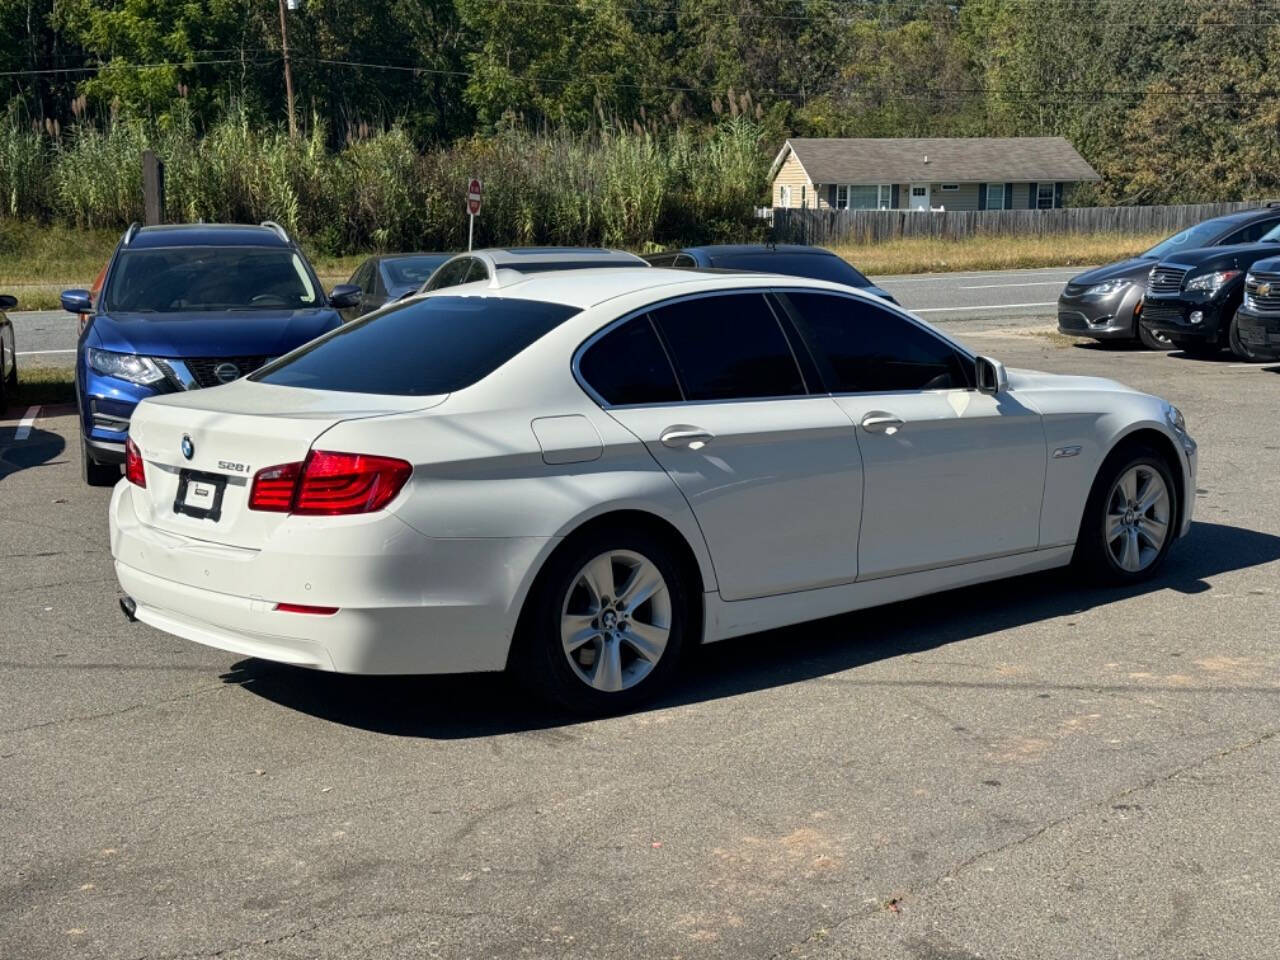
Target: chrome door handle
[(877, 421), (681, 435)]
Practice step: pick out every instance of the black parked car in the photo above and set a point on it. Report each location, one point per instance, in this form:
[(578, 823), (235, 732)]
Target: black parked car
[(792, 260), (389, 277), (1192, 297), (1255, 335), (1106, 302)]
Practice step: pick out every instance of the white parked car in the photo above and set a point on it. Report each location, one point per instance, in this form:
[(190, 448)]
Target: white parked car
[(575, 475)]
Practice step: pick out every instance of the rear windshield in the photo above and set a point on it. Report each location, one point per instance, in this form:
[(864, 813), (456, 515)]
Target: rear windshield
[(190, 279), (412, 271), (546, 266), (812, 266), (430, 346)]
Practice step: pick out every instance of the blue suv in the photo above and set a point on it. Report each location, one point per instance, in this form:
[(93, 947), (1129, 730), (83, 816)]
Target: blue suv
[(186, 307)]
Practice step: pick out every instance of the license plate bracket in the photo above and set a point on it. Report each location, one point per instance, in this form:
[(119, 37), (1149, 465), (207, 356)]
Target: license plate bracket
[(200, 495)]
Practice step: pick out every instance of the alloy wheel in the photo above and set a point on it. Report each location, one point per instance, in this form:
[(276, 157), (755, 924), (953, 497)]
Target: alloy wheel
[(616, 620), (1136, 521)]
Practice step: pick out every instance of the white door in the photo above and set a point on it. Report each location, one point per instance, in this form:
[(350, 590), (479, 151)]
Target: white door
[(950, 474), (772, 474), (920, 196)]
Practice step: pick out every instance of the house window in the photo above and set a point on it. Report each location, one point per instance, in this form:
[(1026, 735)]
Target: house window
[(784, 195), (863, 197), (1044, 196), (948, 187), (919, 191), (885, 198), (842, 197), (995, 196)]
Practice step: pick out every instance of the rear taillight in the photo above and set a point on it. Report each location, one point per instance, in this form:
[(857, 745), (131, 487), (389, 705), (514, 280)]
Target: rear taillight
[(306, 608), (134, 471), (329, 484), (273, 488)]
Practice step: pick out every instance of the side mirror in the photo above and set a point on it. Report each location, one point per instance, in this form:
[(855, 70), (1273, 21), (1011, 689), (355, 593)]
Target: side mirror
[(8, 301), (992, 378), (345, 296), (77, 301)]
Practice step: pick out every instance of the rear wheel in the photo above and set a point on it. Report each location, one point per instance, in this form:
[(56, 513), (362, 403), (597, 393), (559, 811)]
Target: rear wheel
[(1129, 520), (607, 622), (1237, 346), (96, 474)]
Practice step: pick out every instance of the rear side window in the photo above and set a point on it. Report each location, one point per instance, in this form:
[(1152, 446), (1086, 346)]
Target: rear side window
[(811, 266), (628, 366), (430, 346), (728, 348), (863, 348)]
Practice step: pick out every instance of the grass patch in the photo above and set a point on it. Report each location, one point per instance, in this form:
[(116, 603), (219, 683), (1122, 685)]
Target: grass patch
[(929, 255), (45, 385)]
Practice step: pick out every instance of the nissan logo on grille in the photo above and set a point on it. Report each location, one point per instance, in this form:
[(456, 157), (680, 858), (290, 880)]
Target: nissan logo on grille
[(226, 372)]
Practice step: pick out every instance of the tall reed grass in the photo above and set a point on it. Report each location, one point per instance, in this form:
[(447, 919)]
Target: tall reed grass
[(619, 187)]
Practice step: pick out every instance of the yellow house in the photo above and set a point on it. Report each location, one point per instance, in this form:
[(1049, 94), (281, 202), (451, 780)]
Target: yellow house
[(955, 173)]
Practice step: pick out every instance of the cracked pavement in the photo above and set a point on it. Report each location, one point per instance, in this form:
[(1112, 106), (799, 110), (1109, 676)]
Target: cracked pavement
[(1027, 769)]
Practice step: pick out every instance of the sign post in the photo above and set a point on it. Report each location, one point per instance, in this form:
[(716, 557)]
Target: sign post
[(473, 207)]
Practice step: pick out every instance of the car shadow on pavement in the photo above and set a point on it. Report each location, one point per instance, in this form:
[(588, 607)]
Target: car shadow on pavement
[(39, 448), (478, 705)]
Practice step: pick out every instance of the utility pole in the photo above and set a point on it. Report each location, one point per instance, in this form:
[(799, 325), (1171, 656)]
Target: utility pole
[(288, 74)]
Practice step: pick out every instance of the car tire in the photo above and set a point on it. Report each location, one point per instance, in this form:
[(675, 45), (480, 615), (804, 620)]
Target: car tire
[(97, 474), (1152, 340), (1128, 524), (580, 642), (1238, 347)]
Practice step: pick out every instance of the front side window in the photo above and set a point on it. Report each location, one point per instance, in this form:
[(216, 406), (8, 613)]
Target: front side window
[(194, 279), (728, 347), (863, 348), (628, 366), (410, 271), (425, 347), (1252, 233), (453, 274)]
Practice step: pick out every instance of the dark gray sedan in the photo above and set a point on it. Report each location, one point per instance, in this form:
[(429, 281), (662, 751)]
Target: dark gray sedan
[(388, 277), (8, 353), (1106, 303)]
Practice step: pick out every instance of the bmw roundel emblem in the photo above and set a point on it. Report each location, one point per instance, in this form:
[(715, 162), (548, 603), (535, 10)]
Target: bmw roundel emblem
[(188, 448)]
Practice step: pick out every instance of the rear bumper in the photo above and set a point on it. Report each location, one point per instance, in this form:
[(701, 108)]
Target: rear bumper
[(408, 604), (1260, 333)]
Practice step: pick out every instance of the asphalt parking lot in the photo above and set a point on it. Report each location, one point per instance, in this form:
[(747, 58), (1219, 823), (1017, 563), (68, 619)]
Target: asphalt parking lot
[(1026, 769)]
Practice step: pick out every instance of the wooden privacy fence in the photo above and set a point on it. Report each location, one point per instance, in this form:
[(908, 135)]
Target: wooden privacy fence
[(833, 227)]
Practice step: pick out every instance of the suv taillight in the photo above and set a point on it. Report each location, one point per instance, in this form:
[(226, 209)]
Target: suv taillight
[(134, 471), (329, 484)]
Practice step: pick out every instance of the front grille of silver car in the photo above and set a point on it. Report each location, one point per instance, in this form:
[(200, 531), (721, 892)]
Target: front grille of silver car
[(1268, 303), (1165, 280)]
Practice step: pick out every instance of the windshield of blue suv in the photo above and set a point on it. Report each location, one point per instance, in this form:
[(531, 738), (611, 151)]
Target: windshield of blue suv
[(202, 279)]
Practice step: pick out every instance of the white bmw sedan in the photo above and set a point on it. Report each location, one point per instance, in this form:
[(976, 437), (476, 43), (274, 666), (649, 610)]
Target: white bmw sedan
[(576, 475)]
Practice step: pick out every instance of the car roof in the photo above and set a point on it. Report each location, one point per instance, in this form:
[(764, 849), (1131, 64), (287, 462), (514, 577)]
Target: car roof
[(206, 235), (592, 286), (513, 257), (1245, 216), (738, 249)]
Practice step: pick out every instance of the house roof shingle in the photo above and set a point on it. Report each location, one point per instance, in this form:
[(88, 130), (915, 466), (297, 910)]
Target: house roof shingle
[(958, 159)]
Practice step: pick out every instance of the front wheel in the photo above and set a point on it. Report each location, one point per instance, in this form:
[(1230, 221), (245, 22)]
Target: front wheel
[(1129, 520), (607, 622), (1153, 339), (1237, 346)]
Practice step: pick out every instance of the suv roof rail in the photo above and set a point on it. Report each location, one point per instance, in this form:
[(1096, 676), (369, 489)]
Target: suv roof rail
[(129, 234), (279, 231)]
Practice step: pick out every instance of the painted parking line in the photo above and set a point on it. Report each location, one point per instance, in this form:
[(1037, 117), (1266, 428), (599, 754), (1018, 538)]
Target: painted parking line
[(40, 353), (990, 306), (26, 423), (1004, 286)]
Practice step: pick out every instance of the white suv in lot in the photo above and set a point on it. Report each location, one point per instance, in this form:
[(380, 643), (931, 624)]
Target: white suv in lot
[(575, 475)]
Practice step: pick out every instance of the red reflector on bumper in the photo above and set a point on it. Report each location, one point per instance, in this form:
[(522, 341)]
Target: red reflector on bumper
[(305, 608)]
